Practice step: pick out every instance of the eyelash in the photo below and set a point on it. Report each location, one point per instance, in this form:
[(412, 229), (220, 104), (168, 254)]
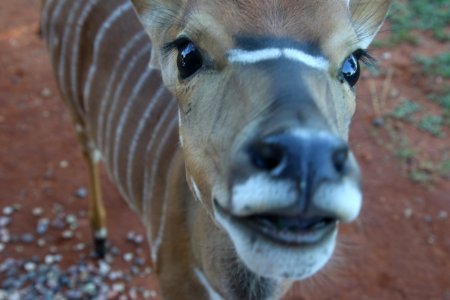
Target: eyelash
[(169, 47), (365, 57)]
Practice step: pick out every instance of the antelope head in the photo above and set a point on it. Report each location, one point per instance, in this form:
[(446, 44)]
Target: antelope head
[(266, 93)]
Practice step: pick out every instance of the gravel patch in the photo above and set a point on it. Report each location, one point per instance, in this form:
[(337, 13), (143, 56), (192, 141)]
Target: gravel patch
[(52, 274)]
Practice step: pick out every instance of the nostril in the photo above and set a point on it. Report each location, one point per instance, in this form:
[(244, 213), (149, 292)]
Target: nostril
[(267, 156), (340, 157)]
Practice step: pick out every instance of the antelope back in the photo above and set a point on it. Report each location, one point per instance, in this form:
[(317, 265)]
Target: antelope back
[(100, 55)]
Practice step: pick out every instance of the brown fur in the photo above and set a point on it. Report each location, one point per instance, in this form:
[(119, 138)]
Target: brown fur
[(222, 108)]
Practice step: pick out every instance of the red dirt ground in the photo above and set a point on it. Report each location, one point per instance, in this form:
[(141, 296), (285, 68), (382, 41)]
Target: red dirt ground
[(398, 249)]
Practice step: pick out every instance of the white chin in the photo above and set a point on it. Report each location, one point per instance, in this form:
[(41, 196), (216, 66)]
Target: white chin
[(270, 259)]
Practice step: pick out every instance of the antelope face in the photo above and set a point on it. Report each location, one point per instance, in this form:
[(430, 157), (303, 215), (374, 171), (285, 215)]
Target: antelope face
[(266, 95)]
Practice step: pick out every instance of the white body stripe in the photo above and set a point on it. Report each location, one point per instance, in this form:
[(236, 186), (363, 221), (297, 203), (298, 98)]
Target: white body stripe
[(239, 56), (118, 91), (156, 243), (109, 88), (119, 11), (148, 179), (53, 40), (65, 44), (213, 295), (76, 49), (123, 120), (140, 130), (44, 17)]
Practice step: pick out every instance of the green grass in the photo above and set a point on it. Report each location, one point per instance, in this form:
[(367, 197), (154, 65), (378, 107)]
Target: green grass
[(437, 65), (406, 109), (405, 16), (442, 98), (420, 177), (405, 151), (432, 124), (445, 167)]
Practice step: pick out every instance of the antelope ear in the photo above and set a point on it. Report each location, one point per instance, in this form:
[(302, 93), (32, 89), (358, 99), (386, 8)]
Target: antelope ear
[(157, 16), (368, 16)]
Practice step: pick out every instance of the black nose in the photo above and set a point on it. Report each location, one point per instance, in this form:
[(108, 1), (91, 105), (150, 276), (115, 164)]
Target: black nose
[(306, 158)]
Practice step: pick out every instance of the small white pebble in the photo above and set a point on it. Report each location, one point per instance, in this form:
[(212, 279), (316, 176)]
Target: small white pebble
[(408, 213), (386, 55), (128, 256), (49, 259), (431, 239), (67, 234), (442, 215), (104, 268), (46, 92), (79, 247), (37, 211), (41, 243), (63, 164), (8, 210), (30, 266), (149, 294), (118, 287)]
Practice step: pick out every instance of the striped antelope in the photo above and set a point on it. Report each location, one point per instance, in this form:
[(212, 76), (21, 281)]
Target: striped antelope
[(226, 133)]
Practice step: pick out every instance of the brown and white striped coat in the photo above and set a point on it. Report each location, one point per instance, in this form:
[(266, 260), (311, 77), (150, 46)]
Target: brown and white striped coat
[(257, 133)]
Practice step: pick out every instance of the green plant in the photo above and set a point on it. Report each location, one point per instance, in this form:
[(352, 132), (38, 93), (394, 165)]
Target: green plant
[(406, 109), (406, 16), (404, 150), (419, 176), (445, 167), (437, 65), (432, 124)]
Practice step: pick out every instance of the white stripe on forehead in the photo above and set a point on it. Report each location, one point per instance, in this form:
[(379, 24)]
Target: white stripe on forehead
[(246, 57)]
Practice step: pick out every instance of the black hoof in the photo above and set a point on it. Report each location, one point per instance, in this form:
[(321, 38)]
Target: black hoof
[(100, 247)]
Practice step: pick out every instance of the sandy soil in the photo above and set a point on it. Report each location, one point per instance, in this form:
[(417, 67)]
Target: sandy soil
[(398, 249)]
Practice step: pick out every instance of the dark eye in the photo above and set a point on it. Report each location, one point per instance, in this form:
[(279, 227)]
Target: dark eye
[(350, 69), (189, 59)]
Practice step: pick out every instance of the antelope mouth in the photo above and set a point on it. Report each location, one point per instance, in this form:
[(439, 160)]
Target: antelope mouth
[(291, 231)]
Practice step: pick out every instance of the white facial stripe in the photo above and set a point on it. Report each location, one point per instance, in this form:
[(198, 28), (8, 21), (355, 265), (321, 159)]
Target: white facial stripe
[(251, 57), (307, 134), (245, 57), (179, 126), (213, 295), (260, 194), (342, 199), (309, 60), (198, 195)]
